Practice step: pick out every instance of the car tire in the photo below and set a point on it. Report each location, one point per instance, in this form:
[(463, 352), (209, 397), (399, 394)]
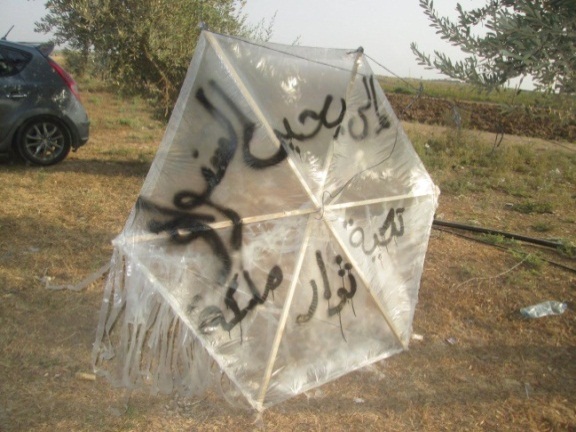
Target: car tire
[(43, 141)]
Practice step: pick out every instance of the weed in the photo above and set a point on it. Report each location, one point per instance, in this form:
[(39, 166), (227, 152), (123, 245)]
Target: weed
[(458, 186), (541, 227), (95, 100), (513, 187), (436, 145), (530, 207), (533, 262), (568, 249), (498, 240), (465, 271), (123, 121)]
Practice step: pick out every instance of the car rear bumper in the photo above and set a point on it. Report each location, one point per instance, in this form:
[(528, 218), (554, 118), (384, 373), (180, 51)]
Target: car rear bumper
[(83, 134)]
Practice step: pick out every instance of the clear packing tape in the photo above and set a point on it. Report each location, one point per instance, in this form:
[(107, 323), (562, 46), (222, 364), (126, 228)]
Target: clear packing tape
[(280, 235)]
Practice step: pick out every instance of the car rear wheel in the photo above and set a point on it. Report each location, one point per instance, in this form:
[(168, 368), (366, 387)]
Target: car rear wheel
[(43, 141)]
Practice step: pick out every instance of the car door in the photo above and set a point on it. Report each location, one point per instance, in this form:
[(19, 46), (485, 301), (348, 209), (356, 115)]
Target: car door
[(13, 91)]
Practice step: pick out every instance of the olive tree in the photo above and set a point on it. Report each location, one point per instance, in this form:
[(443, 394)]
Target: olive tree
[(506, 39), (143, 45)]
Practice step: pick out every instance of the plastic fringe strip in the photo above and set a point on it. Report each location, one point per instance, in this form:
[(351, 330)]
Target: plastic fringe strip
[(140, 341)]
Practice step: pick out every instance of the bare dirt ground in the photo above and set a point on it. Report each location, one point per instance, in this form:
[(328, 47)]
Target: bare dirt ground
[(543, 123), (475, 362)]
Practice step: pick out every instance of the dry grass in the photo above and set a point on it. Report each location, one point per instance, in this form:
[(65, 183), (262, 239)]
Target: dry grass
[(479, 366)]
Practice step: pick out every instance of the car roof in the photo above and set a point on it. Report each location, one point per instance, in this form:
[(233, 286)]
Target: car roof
[(45, 48)]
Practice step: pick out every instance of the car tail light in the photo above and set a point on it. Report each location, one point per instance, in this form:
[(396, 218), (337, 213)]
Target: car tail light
[(66, 77)]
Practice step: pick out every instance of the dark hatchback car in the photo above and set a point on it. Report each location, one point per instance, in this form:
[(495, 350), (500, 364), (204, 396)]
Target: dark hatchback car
[(41, 116)]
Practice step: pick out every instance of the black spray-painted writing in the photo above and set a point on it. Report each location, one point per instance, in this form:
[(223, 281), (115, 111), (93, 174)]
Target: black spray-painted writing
[(227, 145), (185, 227), (393, 227), (320, 120), (212, 317), (324, 273), (319, 117), (372, 102), (344, 295), (301, 319), (194, 211)]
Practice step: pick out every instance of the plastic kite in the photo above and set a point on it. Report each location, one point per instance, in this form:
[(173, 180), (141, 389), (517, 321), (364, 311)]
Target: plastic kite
[(279, 237)]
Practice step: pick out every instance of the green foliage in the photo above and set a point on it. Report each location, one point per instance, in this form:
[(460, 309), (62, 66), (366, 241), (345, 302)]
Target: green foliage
[(516, 39), (532, 261), (143, 46), (568, 249), (463, 162), (498, 240), (542, 227), (75, 62), (126, 122), (530, 207)]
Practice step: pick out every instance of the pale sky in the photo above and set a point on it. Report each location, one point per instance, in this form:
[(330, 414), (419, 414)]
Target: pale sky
[(384, 28)]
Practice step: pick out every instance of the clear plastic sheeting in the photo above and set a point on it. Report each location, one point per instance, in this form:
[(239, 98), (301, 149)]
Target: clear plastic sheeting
[(279, 238)]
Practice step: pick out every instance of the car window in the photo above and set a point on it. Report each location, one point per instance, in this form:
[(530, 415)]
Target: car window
[(12, 61)]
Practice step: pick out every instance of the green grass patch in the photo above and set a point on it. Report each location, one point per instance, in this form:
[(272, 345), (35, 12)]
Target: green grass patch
[(130, 122), (532, 261), (530, 207), (542, 227), (498, 240), (568, 249)]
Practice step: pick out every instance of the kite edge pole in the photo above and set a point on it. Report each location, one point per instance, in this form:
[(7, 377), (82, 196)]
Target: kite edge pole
[(284, 317)]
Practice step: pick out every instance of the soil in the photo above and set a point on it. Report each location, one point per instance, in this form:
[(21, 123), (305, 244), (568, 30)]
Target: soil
[(523, 121)]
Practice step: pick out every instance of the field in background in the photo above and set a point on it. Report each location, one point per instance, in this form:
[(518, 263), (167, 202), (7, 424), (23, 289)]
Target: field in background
[(453, 90), (448, 103), (476, 363)]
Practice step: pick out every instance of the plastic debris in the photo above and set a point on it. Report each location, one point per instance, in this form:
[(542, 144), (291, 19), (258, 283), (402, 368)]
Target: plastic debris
[(85, 283), (544, 309), (451, 341)]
